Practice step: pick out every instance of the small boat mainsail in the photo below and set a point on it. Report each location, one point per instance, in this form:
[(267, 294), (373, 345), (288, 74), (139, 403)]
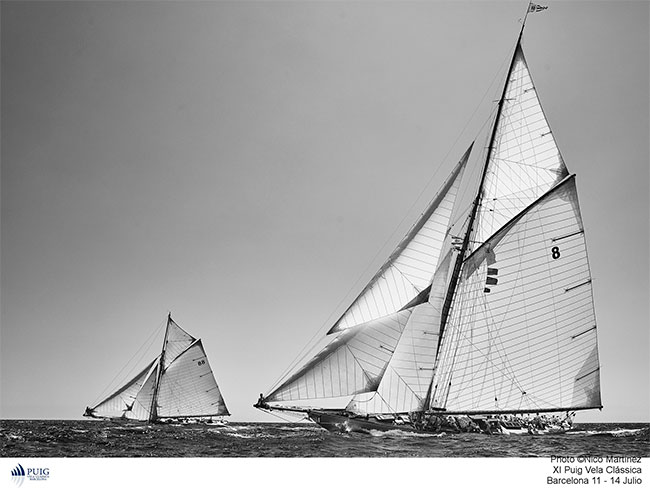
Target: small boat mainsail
[(493, 329), (178, 384)]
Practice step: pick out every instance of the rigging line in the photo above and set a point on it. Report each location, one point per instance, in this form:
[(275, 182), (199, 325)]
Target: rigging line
[(499, 344), (450, 357), (399, 376), (125, 376), (505, 313), (487, 358), (365, 373), (384, 400)]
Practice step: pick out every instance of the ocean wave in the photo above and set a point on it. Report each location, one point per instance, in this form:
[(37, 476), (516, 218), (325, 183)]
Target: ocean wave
[(110, 439), (608, 433), (403, 433)]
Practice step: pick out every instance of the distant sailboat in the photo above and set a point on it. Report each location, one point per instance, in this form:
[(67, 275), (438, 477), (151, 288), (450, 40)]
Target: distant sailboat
[(482, 331), (176, 385)]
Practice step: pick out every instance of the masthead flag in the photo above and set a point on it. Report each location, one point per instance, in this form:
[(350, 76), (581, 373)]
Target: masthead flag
[(533, 7)]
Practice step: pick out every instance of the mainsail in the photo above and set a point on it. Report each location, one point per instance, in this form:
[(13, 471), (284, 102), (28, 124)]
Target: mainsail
[(522, 335), (502, 323), (179, 383)]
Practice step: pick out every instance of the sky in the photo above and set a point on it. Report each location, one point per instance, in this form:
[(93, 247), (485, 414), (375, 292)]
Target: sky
[(249, 165)]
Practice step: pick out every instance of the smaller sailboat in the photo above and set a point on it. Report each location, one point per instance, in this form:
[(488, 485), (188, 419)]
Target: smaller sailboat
[(178, 385)]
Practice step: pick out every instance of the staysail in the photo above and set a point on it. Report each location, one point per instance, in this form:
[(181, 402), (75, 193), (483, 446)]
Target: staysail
[(353, 362), (177, 383), (406, 381)]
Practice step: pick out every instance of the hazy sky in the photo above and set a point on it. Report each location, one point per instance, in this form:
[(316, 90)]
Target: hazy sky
[(248, 165)]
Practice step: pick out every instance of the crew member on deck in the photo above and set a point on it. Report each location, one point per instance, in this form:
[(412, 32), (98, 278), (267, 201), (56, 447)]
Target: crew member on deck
[(261, 403)]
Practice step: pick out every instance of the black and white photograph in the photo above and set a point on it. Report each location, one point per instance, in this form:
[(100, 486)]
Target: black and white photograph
[(317, 244)]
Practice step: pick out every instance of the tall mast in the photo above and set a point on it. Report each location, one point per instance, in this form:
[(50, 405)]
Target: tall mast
[(153, 413), (477, 201)]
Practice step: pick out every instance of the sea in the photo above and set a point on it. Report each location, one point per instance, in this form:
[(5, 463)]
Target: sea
[(82, 454), (109, 439)]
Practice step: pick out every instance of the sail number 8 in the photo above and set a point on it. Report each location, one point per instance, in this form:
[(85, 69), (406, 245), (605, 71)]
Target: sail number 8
[(555, 252), (201, 363)]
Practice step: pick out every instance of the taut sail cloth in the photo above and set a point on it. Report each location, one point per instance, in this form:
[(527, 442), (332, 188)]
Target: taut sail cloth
[(410, 267), (392, 341), (525, 161), (522, 335), (504, 324), (407, 378), (354, 362), (178, 383)]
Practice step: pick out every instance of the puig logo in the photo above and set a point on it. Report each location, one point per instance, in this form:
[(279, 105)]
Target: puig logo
[(18, 474)]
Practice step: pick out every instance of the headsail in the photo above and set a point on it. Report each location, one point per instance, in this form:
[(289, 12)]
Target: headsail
[(353, 362), (406, 381), (131, 401), (522, 334), (410, 267)]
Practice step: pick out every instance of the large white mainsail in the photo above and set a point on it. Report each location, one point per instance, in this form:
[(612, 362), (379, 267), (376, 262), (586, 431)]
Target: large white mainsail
[(522, 335), (178, 383), (188, 388)]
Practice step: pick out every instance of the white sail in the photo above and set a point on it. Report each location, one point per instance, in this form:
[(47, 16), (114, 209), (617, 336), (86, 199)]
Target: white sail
[(122, 402), (522, 334), (176, 341), (141, 407), (410, 267), (406, 382), (353, 362), (188, 388), (525, 161), (407, 375)]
